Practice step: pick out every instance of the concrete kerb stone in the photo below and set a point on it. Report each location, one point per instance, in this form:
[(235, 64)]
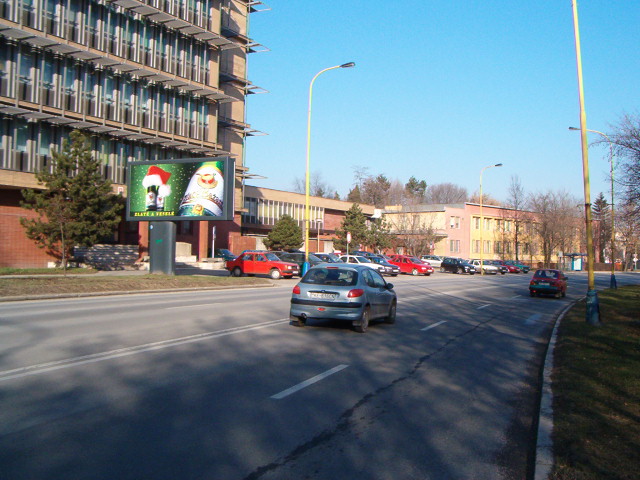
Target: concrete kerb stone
[(544, 444)]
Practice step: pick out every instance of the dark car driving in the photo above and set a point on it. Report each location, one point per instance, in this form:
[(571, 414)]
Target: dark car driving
[(457, 265)]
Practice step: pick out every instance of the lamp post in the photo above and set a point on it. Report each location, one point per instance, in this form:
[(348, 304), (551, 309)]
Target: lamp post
[(482, 219), (307, 176), (593, 307), (612, 283)]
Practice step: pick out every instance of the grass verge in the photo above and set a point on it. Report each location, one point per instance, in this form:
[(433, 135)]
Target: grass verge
[(596, 389), (45, 271), (11, 287)]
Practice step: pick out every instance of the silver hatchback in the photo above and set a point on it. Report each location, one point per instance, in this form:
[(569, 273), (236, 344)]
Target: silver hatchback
[(354, 293)]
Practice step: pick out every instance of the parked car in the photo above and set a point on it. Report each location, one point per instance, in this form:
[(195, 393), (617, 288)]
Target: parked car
[(298, 258), (486, 267), (362, 253), (350, 292), (512, 268), (548, 282), (392, 269), (456, 265), (412, 265), (224, 254), (523, 268), (434, 260), (329, 257), (501, 268), (358, 259), (261, 263)]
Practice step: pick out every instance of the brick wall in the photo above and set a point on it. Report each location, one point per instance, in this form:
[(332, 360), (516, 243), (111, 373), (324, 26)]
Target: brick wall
[(16, 250)]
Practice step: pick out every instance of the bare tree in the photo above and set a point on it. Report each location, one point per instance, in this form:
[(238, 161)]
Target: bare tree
[(557, 223), (517, 204), (414, 228), (446, 193), (487, 199), (317, 186), (626, 139), (628, 234)]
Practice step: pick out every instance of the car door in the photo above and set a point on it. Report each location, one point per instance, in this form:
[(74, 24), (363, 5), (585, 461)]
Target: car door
[(379, 295), (261, 264)]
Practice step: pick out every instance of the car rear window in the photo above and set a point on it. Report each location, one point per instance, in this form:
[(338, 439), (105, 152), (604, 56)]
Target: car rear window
[(331, 276)]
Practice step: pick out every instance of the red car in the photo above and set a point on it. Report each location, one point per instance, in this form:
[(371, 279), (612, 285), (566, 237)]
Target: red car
[(512, 268), (548, 281), (262, 263), (411, 265)]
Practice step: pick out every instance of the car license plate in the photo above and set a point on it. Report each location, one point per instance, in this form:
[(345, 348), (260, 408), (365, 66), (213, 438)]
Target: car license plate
[(323, 295)]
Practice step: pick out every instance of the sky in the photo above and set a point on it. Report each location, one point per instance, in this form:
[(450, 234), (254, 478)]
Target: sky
[(440, 90)]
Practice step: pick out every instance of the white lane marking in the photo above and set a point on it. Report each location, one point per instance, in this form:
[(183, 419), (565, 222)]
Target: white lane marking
[(533, 319), (306, 383), (483, 306), (191, 306), (514, 297), (433, 326), (124, 352)]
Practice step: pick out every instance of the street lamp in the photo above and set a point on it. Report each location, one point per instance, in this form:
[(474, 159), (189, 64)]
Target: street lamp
[(482, 219), (307, 177), (593, 307), (612, 282)]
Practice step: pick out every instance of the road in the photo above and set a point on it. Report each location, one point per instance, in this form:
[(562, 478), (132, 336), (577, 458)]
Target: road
[(218, 385)]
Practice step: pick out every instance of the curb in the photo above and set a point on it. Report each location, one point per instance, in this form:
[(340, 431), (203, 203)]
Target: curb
[(544, 443), (126, 292)]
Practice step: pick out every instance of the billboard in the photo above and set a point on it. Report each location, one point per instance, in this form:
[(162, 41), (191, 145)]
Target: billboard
[(181, 189)]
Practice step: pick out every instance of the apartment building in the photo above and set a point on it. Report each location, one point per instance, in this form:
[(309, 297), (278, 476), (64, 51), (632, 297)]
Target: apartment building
[(468, 230), (143, 79)]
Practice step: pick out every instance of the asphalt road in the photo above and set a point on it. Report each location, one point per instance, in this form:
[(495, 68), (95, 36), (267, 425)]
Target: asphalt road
[(218, 385)]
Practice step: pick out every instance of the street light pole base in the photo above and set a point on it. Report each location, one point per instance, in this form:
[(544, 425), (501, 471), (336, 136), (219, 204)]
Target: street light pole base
[(593, 308), (613, 283)]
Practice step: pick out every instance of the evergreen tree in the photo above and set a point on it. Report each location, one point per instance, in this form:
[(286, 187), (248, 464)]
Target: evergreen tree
[(355, 222), (380, 236), (286, 235), (76, 205), (354, 195), (416, 189), (602, 225)]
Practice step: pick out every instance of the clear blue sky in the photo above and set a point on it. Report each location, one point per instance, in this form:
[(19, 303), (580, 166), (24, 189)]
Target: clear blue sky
[(440, 90)]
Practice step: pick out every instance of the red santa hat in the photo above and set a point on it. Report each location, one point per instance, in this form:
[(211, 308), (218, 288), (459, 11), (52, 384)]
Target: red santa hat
[(159, 178)]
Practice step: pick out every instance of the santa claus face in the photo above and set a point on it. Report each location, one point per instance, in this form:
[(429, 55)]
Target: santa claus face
[(207, 178)]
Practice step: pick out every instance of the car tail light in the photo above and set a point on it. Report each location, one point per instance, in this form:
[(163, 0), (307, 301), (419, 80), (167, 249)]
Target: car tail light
[(356, 292), (296, 289)]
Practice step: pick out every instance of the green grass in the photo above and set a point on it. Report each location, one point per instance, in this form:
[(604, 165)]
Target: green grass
[(44, 271), (10, 287), (596, 388)]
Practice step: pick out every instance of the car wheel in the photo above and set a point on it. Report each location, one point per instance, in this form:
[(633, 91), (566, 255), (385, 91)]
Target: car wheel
[(564, 293), (236, 272), (427, 274), (532, 293), (414, 271), (441, 269), (275, 274), (459, 270), (299, 322), (391, 318), (364, 321)]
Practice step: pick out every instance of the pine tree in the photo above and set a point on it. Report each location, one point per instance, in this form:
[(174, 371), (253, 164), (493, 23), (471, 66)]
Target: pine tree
[(602, 225), (380, 237), (354, 195), (355, 222), (76, 205), (286, 235)]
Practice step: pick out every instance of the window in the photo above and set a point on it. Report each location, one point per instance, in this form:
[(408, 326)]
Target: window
[(454, 246), (476, 246), (454, 222), (476, 223)]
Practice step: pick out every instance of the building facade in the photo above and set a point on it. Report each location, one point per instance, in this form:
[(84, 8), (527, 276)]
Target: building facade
[(142, 79), (468, 231)]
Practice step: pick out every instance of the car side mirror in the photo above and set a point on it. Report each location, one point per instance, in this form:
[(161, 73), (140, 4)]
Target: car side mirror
[(389, 286)]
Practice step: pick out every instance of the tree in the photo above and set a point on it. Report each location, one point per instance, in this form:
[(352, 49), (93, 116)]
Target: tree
[(416, 189), (557, 223), (446, 193), (76, 205), (626, 141), (285, 235), (517, 204), (355, 222), (354, 195), (317, 186), (380, 237), (601, 225), (375, 190)]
